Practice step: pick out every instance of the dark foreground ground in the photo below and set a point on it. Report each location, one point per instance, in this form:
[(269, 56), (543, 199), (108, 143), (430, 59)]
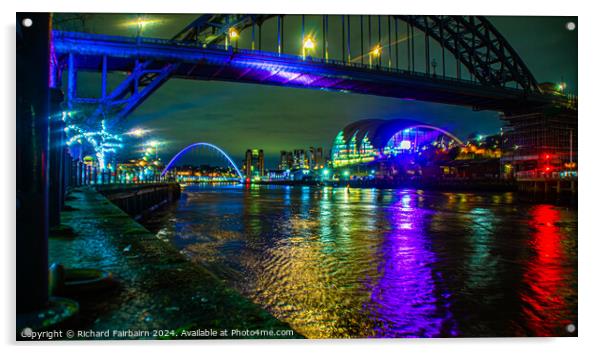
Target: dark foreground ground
[(159, 293)]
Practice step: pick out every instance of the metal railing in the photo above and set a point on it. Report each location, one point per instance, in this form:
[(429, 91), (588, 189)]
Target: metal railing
[(81, 174), (542, 175)]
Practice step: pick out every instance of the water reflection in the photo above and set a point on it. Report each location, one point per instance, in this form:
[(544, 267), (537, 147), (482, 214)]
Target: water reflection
[(482, 264), (546, 303), (404, 300), (396, 263)]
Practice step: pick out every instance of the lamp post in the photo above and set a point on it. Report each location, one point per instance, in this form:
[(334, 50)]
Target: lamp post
[(375, 52), (309, 44), (232, 36)]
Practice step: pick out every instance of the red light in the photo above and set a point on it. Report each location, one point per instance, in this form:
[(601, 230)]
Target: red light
[(542, 276), (547, 168), (547, 157)]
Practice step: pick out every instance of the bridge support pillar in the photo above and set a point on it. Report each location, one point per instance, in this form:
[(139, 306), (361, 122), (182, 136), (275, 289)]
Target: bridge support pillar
[(32, 162)]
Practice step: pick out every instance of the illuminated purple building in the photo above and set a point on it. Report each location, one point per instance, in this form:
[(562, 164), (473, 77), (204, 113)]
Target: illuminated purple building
[(390, 146)]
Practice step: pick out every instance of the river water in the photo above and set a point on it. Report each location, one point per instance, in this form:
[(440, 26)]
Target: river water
[(337, 263)]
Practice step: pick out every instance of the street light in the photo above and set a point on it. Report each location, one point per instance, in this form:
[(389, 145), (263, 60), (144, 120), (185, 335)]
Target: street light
[(308, 44), (155, 145), (137, 132), (375, 52), (233, 33), (232, 36), (140, 23)]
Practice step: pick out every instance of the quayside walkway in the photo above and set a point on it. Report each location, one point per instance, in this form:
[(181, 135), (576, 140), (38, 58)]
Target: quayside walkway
[(158, 289)]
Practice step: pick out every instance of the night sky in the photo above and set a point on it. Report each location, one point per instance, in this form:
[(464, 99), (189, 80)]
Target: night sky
[(240, 116)]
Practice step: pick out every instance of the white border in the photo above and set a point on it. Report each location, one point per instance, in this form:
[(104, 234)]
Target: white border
[(589, 169)]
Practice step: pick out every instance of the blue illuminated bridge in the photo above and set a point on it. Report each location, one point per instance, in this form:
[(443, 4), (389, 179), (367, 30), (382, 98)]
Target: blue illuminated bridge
[(177, 157), (463, 61)]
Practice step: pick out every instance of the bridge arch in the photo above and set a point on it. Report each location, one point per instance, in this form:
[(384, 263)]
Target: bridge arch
[(189, 147), (472, 40)]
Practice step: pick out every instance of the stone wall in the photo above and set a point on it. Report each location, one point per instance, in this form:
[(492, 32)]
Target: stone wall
[(140, 199)]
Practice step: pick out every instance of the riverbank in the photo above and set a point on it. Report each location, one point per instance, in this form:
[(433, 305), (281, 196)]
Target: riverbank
[(159, 293)]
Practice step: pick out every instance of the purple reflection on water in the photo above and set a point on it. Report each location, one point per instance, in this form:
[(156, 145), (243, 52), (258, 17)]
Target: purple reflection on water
[(404, 302)]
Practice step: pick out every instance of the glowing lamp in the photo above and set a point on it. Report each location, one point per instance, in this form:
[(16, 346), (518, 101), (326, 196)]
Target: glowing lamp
[(141, 22), (309, 43), (233, 33), (153, 143), (376, 51), (136, 132)]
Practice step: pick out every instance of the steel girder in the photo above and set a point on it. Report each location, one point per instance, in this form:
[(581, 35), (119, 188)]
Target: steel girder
[(475, 42), (472, 40), (209, 29)]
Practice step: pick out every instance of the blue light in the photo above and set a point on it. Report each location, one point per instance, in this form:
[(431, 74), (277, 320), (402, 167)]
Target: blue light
[(186, 149)]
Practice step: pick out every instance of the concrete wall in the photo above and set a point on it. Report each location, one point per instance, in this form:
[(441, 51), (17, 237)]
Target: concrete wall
[(140, 199)]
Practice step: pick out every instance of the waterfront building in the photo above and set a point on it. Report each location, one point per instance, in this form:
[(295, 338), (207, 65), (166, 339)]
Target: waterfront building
[(392, 149), (316, 158), (300, 160), (286, 160), (254, 163)]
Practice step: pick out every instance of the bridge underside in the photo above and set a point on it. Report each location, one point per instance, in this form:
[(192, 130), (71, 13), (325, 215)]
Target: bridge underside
[(191, 61)]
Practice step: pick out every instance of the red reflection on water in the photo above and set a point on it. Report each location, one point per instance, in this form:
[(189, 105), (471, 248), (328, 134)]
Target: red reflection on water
[(545, 308)]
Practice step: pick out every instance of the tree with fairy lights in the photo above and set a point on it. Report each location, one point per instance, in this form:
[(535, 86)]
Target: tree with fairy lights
[(100, 140)]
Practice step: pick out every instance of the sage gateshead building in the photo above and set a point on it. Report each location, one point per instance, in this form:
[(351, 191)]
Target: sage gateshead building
[(384, 144)]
